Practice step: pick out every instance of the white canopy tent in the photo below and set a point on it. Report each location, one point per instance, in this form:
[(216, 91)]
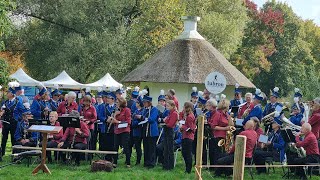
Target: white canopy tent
[(64, 81), (23, 78), (105, 81)]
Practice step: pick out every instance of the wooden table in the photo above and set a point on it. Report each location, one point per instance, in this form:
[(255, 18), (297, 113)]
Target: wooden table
[(44, 130)]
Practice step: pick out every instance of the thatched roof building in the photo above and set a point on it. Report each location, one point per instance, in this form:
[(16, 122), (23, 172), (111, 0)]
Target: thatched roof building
[(186, 60)]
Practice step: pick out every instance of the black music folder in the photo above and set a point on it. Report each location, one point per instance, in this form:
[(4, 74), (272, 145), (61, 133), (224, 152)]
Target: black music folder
[(39, 122), (234, 109), (69, 121)]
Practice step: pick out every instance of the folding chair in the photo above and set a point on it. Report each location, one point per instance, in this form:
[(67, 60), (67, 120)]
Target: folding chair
[(176, 156)]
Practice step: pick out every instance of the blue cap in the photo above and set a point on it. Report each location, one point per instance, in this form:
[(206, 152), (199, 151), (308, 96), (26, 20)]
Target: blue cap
[(111, 95), (120, 91), (298, 94), (135, 94), (194, 94), (202, 100), (147, 98), (88, 94), (275, 92), (55, 92), (259, 97), (162, 97), (100, 94), (11, 90), (236, 89), (140, 101), (18, 88), (42, 91)]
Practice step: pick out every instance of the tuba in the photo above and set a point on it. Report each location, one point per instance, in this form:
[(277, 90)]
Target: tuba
[(269, 118), (289, 125)]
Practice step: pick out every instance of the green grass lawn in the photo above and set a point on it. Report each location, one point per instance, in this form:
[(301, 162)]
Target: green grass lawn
[(59, 171)]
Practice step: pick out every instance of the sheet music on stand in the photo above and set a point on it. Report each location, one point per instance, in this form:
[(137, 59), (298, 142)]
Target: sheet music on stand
[(263, 139), (288, 136), (42, 128), (199, 111), (234, 109)]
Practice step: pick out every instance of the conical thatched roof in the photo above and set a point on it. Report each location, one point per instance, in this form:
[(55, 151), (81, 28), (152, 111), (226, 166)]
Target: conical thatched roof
[(187, 61)]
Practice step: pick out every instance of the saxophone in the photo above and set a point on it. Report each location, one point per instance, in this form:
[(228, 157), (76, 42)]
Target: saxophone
[(228, 141)]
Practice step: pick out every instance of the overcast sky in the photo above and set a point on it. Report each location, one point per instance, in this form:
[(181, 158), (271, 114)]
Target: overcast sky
[(307, 9)]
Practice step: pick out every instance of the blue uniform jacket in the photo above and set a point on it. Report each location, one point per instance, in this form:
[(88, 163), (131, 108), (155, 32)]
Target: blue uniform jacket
[(17, 110), (255, 112), (37, 108), (19, 132), (102, 114), (278, 144), (136, 129), (177, 137), (296, 119), (153, 130), (235, 102)]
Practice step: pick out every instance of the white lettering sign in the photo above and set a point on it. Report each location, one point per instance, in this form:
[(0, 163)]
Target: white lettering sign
[(215, 82)]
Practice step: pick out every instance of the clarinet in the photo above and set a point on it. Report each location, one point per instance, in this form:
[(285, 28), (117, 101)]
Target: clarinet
[(73, 139), (147, 130), (112, 117)]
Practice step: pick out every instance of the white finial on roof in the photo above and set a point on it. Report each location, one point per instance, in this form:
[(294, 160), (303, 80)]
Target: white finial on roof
[(190, 28)]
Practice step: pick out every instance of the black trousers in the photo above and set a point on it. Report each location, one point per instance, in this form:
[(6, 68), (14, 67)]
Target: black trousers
[(106, 143), (159, 152), (187, 153), (29, 144), (260, 159), (50, 144), (122, 140), (215, 152), (168, 154), (304, 160), (227, 160), (76, 145), (94, 137), (149, 148), (6, 129), (137, 144)]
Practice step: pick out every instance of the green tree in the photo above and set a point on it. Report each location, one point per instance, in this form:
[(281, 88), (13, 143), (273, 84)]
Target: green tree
[(275, 52), (4, 72), (88, 38), (5, 23), (222, 22)]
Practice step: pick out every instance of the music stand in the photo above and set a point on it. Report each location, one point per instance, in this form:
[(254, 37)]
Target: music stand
[(44, 130), (234, 109), (69, 121), (287, 135)]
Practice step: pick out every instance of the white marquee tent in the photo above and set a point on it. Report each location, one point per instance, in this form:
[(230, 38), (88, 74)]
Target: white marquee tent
[(64, 81), (23, 78), (105, 81)]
